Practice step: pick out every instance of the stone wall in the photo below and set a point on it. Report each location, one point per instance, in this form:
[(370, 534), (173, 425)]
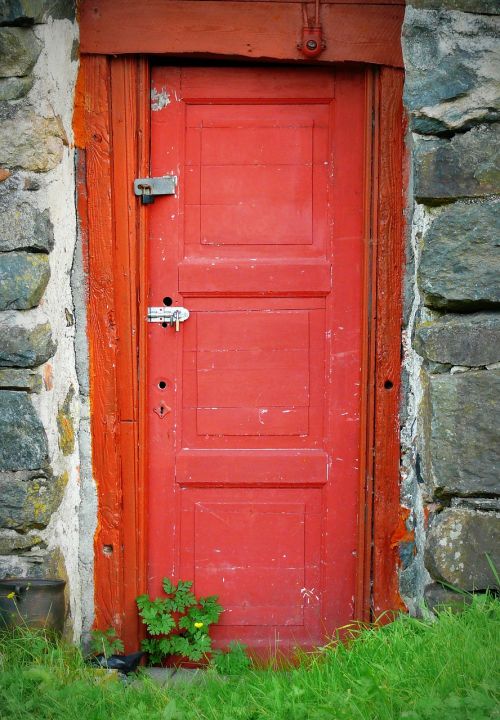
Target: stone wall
[(451, 453), (39, 405), (451, 338)]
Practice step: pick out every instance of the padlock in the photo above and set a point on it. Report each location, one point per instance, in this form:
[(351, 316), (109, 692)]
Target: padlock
[(147, 198)]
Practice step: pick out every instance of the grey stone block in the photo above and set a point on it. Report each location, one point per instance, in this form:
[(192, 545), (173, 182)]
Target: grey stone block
[(477, 503), (14, 542), (487, 7), (25, 341), (14, 566), (15, 87), (458, 543), (29, 499), (23, 227), (28, 12), (460, 261), (31, 142), (461, 417), (467, 166), (452, 64), (437, 597), (19, 51), (23, 279), (23, 442), (20, 379), (472, 339)]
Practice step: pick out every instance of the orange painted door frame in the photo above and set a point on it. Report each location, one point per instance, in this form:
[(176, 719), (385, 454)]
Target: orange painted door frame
[(112, 130)]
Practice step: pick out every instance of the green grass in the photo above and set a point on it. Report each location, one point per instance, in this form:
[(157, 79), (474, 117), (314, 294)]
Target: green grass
[(408, 670), (43, 680)]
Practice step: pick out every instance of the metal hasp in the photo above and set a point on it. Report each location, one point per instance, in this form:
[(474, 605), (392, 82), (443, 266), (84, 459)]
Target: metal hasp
[(169, 315), (147, 188)]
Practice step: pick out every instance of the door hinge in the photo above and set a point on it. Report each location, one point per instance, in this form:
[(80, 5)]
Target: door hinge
[(147, 188)]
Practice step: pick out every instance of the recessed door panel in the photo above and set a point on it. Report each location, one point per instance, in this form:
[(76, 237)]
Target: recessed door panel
[(254, 459)]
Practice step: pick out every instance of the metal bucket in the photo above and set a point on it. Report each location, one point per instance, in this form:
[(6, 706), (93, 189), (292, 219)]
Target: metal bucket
[(32, 602)]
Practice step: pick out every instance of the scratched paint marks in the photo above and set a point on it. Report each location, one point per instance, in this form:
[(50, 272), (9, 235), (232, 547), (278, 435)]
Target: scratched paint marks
[(249, 372), (261, 573), (252, 373), (160, 98)]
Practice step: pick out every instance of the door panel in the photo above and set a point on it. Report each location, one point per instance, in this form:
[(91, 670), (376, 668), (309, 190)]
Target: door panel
[(253, 462)]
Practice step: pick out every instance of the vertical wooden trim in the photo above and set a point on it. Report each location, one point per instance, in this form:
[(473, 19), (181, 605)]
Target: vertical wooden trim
[(124, 128), (115, 138), (390, 262), (363, 576), (101, 321), (130, 122), (144, 155)]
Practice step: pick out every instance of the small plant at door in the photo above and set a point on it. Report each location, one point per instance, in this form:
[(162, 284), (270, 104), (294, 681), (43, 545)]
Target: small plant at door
[(179, 623), (106, 642)]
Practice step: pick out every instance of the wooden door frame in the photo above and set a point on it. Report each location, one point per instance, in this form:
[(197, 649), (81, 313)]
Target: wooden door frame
[(112, 131)]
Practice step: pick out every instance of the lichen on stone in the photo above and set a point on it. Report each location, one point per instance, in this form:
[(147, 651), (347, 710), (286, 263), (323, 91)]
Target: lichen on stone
[(65, 424)]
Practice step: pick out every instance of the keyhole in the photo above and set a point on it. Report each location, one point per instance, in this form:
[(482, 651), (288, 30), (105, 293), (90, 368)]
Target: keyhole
[(162, 410), (167, 301), (162, 384)]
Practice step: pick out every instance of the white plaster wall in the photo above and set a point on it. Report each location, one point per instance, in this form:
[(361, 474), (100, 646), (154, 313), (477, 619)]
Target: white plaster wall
[(411, 492), (53, 94)]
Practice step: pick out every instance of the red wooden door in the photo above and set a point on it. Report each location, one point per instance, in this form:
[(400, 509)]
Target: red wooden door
[(254, 405)]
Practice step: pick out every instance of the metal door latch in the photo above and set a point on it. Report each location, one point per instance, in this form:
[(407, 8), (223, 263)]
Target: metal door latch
[(147, 188), (169, 315)]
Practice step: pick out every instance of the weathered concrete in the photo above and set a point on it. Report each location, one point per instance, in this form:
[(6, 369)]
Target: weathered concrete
[(461, 417), (458, 544), (413, 578), (468, 340), (460, 262), (55, 75), (467, 166), (23, 279), (88, 505)]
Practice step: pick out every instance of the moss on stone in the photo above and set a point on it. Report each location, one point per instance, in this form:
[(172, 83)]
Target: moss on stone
[(65, 424)]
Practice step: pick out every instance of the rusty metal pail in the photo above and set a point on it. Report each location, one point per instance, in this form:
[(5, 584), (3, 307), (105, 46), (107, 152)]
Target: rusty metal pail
[(32, 602)]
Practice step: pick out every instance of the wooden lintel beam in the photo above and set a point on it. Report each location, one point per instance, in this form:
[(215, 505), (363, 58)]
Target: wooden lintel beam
[(354, 32)]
